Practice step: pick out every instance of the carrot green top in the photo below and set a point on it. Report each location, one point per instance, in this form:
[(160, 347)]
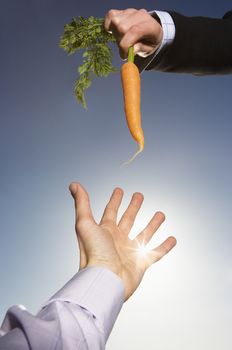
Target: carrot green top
[(89, 35)]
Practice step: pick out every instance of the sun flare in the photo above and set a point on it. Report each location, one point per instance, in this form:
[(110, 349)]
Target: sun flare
[(143, 250)]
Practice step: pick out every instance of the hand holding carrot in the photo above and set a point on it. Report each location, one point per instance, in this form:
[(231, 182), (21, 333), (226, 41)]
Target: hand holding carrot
[(136, 32), (136, 28)]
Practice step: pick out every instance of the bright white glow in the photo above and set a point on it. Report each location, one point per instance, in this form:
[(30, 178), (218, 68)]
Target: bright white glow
[(143, 250)]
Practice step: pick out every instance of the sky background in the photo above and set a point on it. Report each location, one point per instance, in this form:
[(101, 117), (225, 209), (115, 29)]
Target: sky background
[(47, 141)]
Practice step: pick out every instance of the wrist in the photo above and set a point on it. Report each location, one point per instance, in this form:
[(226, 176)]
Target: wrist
[(156, 36), (168, 35)]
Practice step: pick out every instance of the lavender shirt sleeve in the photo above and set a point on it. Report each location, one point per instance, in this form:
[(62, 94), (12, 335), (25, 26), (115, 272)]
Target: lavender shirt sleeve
[(80, 316)]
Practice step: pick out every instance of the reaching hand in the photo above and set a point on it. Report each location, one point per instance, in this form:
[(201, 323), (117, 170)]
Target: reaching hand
[(134, 28), (107, 244)]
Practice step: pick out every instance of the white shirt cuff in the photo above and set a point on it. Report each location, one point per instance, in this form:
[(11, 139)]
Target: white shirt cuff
[(168, 28)]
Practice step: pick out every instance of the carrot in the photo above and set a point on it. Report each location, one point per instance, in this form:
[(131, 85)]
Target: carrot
[(131, 92)]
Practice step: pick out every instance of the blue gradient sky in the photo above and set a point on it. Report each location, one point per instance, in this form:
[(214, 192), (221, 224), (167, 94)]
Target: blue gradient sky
[(47, 140)]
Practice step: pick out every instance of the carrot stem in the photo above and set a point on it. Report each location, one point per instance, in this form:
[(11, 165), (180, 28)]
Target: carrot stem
[(131, 54)]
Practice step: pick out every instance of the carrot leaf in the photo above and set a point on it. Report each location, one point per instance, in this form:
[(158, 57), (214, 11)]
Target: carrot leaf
[(89, 35)]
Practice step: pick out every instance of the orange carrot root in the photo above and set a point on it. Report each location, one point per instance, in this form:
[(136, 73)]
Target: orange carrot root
[(131, 92)]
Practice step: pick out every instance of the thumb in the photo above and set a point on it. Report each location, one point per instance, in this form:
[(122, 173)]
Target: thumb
[(73, 188), (82, 202)]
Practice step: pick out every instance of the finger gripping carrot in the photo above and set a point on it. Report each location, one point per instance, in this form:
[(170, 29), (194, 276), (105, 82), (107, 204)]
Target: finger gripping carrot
[(131, 92)]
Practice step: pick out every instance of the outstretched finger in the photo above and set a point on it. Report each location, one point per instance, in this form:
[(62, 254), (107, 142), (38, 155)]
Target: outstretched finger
[(111, 210), (128, 218), (145, 236), (158, 253), (82, 203)]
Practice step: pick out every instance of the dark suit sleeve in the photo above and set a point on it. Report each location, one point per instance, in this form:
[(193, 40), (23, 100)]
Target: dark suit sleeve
[(201, 45)]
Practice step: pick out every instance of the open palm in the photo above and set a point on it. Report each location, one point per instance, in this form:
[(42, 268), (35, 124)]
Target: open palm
[(107, 244)]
